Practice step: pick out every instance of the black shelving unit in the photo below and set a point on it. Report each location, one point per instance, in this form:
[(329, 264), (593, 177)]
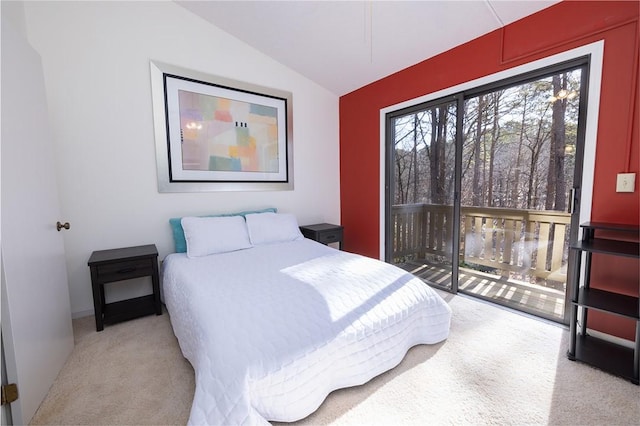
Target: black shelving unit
[(616, 359)]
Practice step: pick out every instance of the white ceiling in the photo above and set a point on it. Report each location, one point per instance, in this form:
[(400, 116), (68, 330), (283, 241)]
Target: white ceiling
[(344, 45)]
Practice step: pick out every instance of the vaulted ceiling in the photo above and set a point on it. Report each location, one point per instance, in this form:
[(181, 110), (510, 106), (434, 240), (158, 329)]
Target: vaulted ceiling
[(344, 45)]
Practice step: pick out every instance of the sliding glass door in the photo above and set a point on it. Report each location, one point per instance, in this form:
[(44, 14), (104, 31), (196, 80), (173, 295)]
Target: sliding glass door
[(482, 188)]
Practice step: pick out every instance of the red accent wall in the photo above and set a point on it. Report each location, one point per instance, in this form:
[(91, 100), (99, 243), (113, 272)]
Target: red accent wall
[(556, 29)]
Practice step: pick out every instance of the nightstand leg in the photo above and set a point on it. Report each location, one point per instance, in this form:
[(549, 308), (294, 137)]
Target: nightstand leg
[(155, 279), (98, 299)]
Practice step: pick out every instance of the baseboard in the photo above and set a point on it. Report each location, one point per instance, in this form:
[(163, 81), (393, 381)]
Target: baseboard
[(82, 314)]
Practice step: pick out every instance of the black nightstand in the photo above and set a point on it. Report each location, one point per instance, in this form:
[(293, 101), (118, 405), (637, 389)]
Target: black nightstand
[(324, 233), (122, 264)]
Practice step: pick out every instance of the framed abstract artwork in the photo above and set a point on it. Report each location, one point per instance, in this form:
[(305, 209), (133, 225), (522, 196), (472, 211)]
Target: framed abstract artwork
[(218, 134)]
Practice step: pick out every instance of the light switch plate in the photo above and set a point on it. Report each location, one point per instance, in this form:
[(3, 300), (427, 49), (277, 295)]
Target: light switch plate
[(626, 182)]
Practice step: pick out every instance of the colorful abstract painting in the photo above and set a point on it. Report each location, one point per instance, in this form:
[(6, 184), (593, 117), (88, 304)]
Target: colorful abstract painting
[(221, 134)]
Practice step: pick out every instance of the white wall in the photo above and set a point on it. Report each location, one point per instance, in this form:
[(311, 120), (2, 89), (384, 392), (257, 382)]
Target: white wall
[(96, 63), (13, 12)]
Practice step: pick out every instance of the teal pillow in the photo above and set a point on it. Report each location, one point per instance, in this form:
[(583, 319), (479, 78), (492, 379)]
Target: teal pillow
[(178, 233)]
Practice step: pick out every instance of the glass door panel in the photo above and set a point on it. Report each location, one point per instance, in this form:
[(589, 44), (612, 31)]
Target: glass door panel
[(518, 161), (421, 226)]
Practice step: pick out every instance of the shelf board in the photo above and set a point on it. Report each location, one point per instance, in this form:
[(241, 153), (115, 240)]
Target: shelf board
[(607, 356), (129, 309), (606, 301), (607, 226), (605, 246)]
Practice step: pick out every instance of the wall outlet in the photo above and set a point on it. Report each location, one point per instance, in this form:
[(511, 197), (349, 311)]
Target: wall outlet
[(626, 182)]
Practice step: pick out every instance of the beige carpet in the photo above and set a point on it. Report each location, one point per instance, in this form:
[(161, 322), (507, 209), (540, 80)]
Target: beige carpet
[(497, 367)]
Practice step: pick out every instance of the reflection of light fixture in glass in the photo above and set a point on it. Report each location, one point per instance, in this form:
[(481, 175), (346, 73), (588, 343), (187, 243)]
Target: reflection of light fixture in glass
[(563, 94), (569, 149), (192, 125)]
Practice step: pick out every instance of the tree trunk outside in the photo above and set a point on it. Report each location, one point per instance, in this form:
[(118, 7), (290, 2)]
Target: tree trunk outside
[(477, 196)]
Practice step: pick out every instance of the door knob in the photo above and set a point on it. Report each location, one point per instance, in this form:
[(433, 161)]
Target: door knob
[(65, 225)]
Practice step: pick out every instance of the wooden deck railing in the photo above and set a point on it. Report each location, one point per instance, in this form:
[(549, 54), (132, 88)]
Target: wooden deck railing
[(527, 241)]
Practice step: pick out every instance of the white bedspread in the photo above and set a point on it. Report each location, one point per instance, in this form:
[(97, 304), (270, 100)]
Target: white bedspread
[(272, 330)]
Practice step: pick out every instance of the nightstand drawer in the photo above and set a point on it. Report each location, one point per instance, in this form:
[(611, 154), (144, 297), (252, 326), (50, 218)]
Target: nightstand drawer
[(333, 236), (124, 270)]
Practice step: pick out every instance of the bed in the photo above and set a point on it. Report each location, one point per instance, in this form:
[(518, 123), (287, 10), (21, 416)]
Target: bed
[(273, 322)]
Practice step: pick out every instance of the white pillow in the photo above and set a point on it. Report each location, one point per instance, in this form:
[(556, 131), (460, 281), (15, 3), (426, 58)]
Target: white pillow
[(266, 228), (210, 235)]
